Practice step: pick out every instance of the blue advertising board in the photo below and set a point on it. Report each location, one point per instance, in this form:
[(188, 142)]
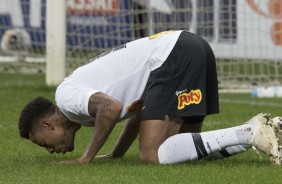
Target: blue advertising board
[(88, 21), (95, 24)]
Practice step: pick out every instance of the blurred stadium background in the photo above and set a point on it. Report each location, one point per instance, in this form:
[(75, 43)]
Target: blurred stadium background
[(246, 35)]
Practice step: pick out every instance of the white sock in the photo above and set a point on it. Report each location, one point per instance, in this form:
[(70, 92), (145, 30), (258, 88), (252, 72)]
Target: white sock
[(229, 151), (194, 146)]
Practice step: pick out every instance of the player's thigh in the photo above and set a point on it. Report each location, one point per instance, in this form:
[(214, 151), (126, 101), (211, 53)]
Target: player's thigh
[(192, 124), (193, 128), (152, 134)]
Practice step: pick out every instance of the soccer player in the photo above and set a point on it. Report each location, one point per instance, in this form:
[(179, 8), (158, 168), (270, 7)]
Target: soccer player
[(163, 86)]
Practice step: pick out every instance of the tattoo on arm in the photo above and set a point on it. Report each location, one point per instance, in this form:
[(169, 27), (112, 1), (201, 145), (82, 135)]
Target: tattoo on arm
[(107, 114)]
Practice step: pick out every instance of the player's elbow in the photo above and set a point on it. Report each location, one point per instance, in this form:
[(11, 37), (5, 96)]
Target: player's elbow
[(103, 105), (112, 109), (116, 107)]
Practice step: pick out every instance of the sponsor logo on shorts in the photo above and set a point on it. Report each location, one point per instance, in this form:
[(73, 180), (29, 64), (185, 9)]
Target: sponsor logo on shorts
[(186, 99)]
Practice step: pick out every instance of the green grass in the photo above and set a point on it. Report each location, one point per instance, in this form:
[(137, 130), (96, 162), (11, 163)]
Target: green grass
[(23, 162)]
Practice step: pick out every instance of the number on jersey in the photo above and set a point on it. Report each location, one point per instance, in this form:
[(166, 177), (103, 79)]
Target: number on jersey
[(160, 33)]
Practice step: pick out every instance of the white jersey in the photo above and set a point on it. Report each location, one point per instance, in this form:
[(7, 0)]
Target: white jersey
[(121, 73)]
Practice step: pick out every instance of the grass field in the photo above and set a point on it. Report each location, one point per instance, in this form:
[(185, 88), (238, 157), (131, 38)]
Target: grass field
[(23, 162)]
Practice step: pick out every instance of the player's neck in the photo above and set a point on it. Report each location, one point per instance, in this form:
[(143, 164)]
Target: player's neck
[(65, 121)]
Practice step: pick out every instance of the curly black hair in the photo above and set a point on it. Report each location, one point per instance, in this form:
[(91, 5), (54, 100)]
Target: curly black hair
[(31, 115)]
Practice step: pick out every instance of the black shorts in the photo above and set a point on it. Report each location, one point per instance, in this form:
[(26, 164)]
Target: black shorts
[(186, 84)]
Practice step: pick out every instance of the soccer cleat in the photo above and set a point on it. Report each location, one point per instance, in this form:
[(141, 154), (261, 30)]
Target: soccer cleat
[(277, 125), (264, 137)]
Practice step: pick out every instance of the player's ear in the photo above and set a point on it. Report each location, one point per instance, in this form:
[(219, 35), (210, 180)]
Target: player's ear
[(47, 124)]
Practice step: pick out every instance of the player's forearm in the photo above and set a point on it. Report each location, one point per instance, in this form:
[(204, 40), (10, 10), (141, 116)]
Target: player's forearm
[(106, 119), (97, 140), (127, 137)]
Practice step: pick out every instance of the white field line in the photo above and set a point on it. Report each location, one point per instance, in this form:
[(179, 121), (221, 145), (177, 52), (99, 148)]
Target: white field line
[(244, 102), (10, 59)]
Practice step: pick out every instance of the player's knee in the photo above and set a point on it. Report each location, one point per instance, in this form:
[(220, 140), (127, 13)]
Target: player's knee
[(148, 156)]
